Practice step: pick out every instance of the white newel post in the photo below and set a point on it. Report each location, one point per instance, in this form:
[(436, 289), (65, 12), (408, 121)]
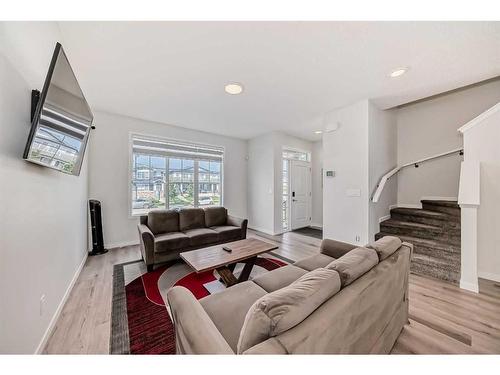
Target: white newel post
[(468, 198), (468, 278)]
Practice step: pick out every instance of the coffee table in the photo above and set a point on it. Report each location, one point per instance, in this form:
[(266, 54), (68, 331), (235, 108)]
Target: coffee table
[(214, 258)]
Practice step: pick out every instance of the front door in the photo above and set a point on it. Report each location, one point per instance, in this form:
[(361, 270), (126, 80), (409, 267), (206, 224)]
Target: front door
[(300, 183)]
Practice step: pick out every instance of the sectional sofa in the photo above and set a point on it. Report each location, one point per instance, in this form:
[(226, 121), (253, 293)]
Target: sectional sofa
[(345, 299), (164, 234)]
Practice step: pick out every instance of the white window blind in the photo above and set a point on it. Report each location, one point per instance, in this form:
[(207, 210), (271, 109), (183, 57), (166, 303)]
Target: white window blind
[(178, 149)]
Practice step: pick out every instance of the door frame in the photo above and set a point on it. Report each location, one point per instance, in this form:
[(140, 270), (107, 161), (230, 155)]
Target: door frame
[(290, 177)]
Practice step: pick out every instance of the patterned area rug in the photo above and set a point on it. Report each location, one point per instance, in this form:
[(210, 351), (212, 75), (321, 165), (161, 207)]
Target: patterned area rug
[(140, 321)]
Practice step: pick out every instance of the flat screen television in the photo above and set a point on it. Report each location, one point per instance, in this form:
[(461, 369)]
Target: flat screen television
[(62, 120)]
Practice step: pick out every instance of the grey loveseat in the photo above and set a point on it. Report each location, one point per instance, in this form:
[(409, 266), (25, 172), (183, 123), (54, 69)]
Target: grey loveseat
[(343, 300), (164, 234)]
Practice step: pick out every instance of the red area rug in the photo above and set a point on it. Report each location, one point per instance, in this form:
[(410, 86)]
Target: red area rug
[(140, 321)]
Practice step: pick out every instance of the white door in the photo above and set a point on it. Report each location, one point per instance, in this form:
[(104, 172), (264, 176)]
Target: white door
[(300, 194)]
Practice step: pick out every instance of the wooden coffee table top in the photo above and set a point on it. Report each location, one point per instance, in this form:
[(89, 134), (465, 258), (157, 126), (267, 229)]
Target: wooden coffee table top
[(213, 257)]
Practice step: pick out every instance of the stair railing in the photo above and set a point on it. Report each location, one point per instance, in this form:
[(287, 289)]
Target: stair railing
[(392, 172)]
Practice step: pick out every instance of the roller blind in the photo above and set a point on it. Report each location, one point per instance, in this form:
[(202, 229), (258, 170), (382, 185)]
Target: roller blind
[(145, 145)]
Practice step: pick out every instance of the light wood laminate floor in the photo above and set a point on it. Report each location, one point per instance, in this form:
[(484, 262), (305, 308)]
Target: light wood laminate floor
[(443, 317)]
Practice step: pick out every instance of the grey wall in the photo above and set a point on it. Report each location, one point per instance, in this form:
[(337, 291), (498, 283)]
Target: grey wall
[(43, 216), (430, 127)]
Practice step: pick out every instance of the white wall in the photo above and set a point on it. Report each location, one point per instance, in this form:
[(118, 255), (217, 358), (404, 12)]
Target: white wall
[(382, 143), (317, 184), (265, 176), (481, 144), (261, 183), (430, 127), (43, 239), (345, 151), (109, 170)]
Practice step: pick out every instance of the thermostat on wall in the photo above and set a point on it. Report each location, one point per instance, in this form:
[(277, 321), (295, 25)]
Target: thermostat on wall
[(330, 173)]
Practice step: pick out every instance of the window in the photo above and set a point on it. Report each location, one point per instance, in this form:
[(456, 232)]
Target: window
[(296, 155), (168, 174)]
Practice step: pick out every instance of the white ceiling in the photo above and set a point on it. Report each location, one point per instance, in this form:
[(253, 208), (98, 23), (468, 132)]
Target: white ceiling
[(293, 72)]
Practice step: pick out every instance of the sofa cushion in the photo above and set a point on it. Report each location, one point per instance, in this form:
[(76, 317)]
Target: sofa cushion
[(279, 278), (201, 236), (385, 247), (227, 232), (354, 264), (191, 218), (171, 241), (229, 308), (314, 261), (215, 216), (163, 221), (283, 309)]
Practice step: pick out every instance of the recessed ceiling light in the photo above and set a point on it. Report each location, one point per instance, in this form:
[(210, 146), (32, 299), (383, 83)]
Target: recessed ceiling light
[(234, 88), (398, 72), (318, 131)]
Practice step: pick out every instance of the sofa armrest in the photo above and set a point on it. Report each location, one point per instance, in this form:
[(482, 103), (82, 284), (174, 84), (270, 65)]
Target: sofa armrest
[(195, 333), (237, 222), (335, 249), (147, 244)]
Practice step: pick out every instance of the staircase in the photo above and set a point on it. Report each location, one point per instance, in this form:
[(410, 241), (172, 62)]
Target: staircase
[(434, 231)]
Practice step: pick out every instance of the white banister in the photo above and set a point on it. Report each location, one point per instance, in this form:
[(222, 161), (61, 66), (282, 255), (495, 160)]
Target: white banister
[(392, 172)]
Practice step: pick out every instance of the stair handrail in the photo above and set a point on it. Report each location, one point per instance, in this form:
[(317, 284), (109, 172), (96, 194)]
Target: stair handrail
[(392, 172)]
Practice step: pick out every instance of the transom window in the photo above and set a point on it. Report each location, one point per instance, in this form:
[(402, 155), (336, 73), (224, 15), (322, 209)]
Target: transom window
[(171, 174), (296, 155)]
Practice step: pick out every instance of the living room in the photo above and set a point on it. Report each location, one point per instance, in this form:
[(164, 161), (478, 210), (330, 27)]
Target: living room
[(249, 187)]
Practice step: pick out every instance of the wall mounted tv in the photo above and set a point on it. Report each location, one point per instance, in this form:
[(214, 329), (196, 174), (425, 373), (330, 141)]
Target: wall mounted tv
[(61, 119)]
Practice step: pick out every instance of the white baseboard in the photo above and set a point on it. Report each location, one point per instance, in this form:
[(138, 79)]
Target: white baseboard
[(316, 226), (58, 311), (431, 198), (121, 244), (408, 205), (489, 276), (472, 287), (262, 230), (384, 218), (428, 198)]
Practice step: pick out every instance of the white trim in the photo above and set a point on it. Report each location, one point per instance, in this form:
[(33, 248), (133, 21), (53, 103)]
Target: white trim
[(263, 230), (479, 119), (167, 139), (316, 226), (121, 244), (58, 311), (472, 287), (489, 276), (384, 218), (409, 205), (431, 198)]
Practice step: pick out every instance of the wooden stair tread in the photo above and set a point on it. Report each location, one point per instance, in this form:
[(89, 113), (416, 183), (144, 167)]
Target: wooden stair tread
[(420, 212), (444, 246), (408, 224), (453, 204)]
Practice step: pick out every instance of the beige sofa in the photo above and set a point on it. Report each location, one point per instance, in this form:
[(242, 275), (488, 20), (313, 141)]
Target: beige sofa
[(343, 300)]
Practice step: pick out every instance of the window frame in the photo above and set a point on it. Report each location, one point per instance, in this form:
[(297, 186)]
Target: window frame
[(133, 215)]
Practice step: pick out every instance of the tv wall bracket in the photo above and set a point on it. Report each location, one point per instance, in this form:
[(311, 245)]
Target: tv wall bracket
[(35, 98)]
